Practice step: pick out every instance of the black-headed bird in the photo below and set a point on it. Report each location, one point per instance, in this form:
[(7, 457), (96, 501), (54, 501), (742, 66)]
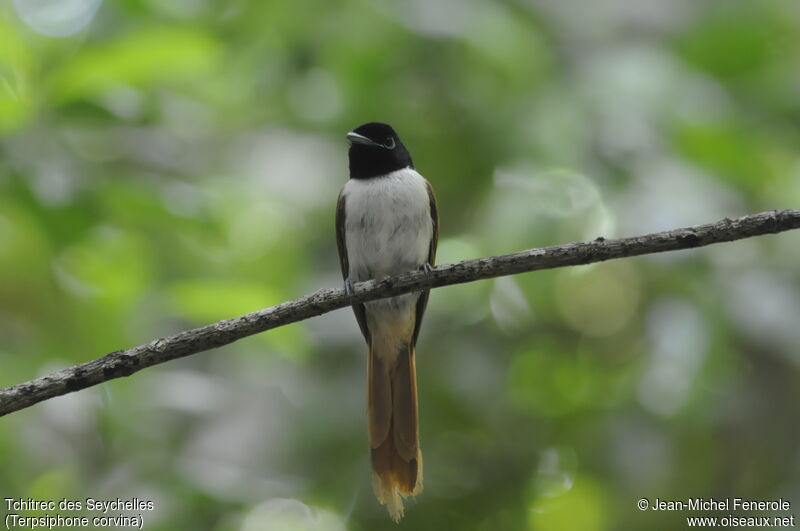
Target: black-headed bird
[(387, 224)]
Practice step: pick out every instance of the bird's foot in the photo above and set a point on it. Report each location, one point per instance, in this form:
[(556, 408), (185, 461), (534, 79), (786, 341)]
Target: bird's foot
[(349, 289), (427, 268)]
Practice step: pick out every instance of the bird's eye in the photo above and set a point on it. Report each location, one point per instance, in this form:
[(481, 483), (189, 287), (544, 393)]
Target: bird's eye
[(389, 144)]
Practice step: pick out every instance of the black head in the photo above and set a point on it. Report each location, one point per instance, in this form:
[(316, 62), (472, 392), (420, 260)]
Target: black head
[(375, 149)]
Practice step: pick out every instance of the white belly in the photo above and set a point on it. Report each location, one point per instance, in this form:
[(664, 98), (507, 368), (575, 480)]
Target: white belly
[(388, 231), (388, 224)]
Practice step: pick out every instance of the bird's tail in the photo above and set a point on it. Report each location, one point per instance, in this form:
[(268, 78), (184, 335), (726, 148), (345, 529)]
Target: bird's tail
[(393, 425)]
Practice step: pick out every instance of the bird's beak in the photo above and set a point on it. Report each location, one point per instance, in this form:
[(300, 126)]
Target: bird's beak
[(355, 138)]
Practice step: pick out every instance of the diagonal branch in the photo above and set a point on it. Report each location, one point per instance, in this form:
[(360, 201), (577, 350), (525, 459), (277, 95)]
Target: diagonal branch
[(126, 362)]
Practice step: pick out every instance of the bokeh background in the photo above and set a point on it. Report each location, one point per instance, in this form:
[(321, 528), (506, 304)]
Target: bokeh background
[(167, 164)]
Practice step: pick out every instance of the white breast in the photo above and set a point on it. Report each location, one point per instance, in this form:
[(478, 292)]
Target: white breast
[(388, 226)]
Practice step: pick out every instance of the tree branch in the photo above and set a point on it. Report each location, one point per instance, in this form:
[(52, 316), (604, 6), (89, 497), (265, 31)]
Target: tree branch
[(126, 362)]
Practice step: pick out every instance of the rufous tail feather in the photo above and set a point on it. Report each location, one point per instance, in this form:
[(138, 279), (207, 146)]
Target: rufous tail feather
[(394, 427)]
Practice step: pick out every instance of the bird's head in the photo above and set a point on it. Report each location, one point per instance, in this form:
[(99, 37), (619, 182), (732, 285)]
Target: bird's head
[(376, 149)]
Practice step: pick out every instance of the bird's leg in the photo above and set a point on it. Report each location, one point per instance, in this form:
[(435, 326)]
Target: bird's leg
[(427, 268), (348, 286)]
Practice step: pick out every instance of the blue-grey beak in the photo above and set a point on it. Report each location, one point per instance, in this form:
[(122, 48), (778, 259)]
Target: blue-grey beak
[(355, 138)]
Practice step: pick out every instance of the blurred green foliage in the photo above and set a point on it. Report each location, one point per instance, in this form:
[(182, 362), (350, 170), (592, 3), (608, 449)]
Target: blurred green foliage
[(167, 164)]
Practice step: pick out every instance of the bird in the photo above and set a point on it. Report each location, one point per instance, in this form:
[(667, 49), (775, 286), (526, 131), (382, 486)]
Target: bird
[(387, 223)]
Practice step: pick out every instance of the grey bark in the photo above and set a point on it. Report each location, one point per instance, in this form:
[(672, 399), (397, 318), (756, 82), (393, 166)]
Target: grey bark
[(126, 362)]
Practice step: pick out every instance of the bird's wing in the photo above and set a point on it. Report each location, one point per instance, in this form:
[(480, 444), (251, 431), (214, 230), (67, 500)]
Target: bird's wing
[(422, 302), (341, 243)]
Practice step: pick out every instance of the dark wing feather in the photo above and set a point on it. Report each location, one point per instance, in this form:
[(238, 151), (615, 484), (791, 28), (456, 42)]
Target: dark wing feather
[(341, 244), (422, 302)]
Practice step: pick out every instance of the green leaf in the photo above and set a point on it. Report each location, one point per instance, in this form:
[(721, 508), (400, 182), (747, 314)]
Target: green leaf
[(207, 300), (16, 64), (727, 149), (145, 58)]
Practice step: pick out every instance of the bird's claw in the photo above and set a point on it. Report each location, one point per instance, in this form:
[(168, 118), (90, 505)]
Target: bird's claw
[(427, 268), (349, 289)]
